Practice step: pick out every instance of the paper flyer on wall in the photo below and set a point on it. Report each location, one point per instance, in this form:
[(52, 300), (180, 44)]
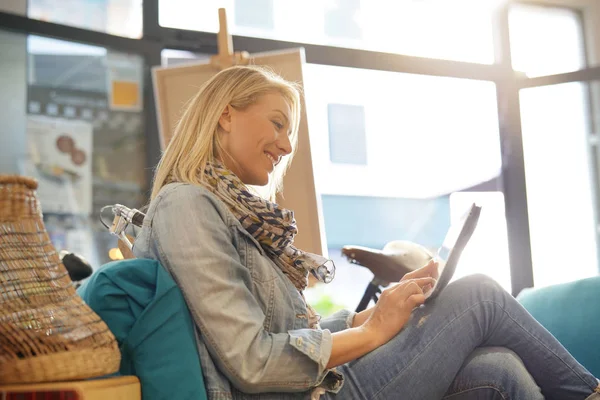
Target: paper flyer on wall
[(60, 158), (124, 79)]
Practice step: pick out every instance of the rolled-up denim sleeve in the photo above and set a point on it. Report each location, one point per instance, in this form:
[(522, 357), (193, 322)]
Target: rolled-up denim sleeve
[(338, 321), (314, 343), (196, 244)]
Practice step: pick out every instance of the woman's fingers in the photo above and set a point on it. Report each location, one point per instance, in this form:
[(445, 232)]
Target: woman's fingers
[(422, 282), (404, 291), (410, 287), (415, 296), (427, 288), (433, 268), (416, 299), (429, 269)]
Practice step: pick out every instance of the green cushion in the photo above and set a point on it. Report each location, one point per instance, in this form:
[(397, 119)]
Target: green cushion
[(145, 310), (571, 312)]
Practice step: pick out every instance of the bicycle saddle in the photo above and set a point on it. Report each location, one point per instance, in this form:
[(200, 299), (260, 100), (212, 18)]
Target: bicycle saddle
[(390, 264)]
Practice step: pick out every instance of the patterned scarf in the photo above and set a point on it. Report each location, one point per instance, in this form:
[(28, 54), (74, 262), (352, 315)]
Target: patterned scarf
[(273, 227)]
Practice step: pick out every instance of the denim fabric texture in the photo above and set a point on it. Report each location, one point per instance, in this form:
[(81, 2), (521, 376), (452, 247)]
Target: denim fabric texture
[(253, 335), (474, 341)]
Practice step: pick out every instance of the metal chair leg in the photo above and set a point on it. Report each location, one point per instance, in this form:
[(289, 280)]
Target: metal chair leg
[(370, 293)]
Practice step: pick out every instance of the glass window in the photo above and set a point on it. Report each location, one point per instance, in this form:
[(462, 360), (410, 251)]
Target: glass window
[(556, 44), (561, 175), (410, 120), (120, 17), (13, 100), (432, 148), (170, 57), (454, 30), (76, 124), (347, 136)]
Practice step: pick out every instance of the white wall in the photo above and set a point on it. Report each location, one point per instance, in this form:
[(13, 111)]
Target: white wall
[(14, 6)]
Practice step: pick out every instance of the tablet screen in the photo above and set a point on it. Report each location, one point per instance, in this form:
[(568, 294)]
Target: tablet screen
[(448, 254), (452, 235)]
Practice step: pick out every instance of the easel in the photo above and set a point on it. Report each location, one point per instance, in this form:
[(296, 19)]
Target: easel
[(175, 85), (226, 57)]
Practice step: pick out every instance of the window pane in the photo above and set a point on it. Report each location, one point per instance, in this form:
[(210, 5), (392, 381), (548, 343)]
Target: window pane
[(347, 136), (74, 122), (430, 122), (458, 30), (556, 45), (170, 57), (560, 170), (122, 17), (432, 147)]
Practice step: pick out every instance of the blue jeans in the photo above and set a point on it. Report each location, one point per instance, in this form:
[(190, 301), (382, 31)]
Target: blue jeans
[(474, 341)]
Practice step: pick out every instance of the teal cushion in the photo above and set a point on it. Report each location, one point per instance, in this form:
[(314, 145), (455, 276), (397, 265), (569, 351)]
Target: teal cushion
[(571, 312), (145, 310)]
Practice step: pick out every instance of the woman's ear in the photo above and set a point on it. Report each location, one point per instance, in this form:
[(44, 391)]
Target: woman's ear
[(225, 119)]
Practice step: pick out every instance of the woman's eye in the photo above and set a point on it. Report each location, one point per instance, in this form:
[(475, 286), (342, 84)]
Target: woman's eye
[(278, 125)]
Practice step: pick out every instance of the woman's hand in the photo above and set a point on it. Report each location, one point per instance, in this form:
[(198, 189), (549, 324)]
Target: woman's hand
[(393, 309), (429, 270)]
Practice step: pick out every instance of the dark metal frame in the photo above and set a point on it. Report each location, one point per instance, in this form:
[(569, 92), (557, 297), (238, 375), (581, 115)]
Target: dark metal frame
[(508, 83), (513, 163)]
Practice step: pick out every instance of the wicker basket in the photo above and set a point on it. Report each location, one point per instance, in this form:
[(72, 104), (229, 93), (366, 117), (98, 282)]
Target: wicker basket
[(47, 333)]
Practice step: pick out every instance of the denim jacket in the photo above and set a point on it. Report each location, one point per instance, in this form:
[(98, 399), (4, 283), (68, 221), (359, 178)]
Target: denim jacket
[(252, 330)]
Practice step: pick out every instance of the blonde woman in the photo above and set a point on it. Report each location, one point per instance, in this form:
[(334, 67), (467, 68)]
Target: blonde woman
[(233, 256)]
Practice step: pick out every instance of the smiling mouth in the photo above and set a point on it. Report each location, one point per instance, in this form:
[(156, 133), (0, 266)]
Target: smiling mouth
[(272, 159)]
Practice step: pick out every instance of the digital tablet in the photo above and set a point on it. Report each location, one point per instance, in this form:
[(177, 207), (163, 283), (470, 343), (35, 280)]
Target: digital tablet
[(454, 243)]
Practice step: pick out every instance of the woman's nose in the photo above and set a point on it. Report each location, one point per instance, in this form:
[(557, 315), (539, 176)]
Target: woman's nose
[(284, 144)]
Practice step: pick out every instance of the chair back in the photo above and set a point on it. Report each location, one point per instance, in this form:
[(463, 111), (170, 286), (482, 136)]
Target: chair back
[(144, 308), (571, 312)]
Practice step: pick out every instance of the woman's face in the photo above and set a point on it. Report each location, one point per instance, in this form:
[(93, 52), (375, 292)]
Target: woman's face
[(254, 140)]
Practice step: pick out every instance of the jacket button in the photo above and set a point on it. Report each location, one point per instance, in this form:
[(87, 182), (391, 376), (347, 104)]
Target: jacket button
[(299, 341)]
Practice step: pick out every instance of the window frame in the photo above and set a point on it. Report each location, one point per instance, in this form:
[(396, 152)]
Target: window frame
[(155, 38)]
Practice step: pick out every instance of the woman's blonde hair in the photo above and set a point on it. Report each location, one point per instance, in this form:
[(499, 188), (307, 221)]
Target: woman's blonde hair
[(195, 140)]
